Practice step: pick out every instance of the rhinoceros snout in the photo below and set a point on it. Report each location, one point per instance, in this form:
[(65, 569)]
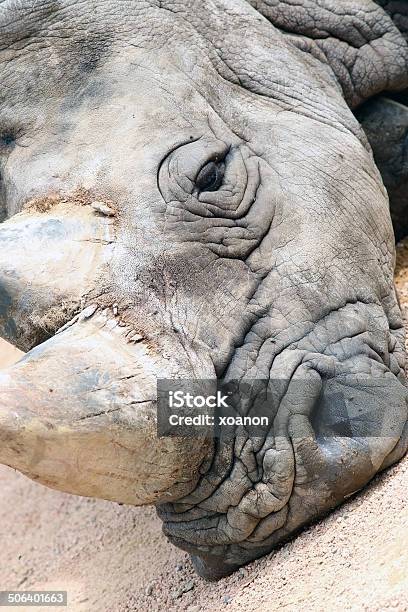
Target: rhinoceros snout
[(339, 406)]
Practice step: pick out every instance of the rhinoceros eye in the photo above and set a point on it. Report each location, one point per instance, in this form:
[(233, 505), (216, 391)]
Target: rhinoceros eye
[(210, 176)]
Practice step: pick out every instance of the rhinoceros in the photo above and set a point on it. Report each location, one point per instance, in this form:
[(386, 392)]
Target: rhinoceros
[(188, 192)]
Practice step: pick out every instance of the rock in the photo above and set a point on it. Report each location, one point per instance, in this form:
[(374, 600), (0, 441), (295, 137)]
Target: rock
[(185, 588), (189, 586)]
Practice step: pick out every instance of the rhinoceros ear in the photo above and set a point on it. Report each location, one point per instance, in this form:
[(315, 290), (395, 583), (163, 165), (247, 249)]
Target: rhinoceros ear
[(365, 44)]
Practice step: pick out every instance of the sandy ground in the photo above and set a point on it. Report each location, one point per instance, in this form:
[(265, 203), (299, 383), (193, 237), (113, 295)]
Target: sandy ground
[(114, 559)]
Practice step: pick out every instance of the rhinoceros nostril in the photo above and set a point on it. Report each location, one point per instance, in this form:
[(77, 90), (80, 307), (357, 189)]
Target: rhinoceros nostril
[(7, 139)]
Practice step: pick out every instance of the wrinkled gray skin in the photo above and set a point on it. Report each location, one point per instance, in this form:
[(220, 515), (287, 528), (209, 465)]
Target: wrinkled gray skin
[(250, 238), (385, 123)]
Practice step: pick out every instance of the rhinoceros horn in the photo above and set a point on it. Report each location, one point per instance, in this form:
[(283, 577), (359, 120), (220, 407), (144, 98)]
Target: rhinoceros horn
[(78, 413)]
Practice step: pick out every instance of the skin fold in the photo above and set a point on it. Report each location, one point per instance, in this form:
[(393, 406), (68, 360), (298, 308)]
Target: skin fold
[(385, 122), (187, 192)]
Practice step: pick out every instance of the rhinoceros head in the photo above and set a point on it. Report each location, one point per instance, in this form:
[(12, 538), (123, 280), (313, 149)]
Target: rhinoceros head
[(187, 195)]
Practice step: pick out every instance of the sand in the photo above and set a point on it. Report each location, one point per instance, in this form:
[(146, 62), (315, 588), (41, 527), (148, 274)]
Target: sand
[(112, 558)]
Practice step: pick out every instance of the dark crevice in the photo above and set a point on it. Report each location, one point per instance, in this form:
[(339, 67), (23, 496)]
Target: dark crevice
[(7, 139)]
